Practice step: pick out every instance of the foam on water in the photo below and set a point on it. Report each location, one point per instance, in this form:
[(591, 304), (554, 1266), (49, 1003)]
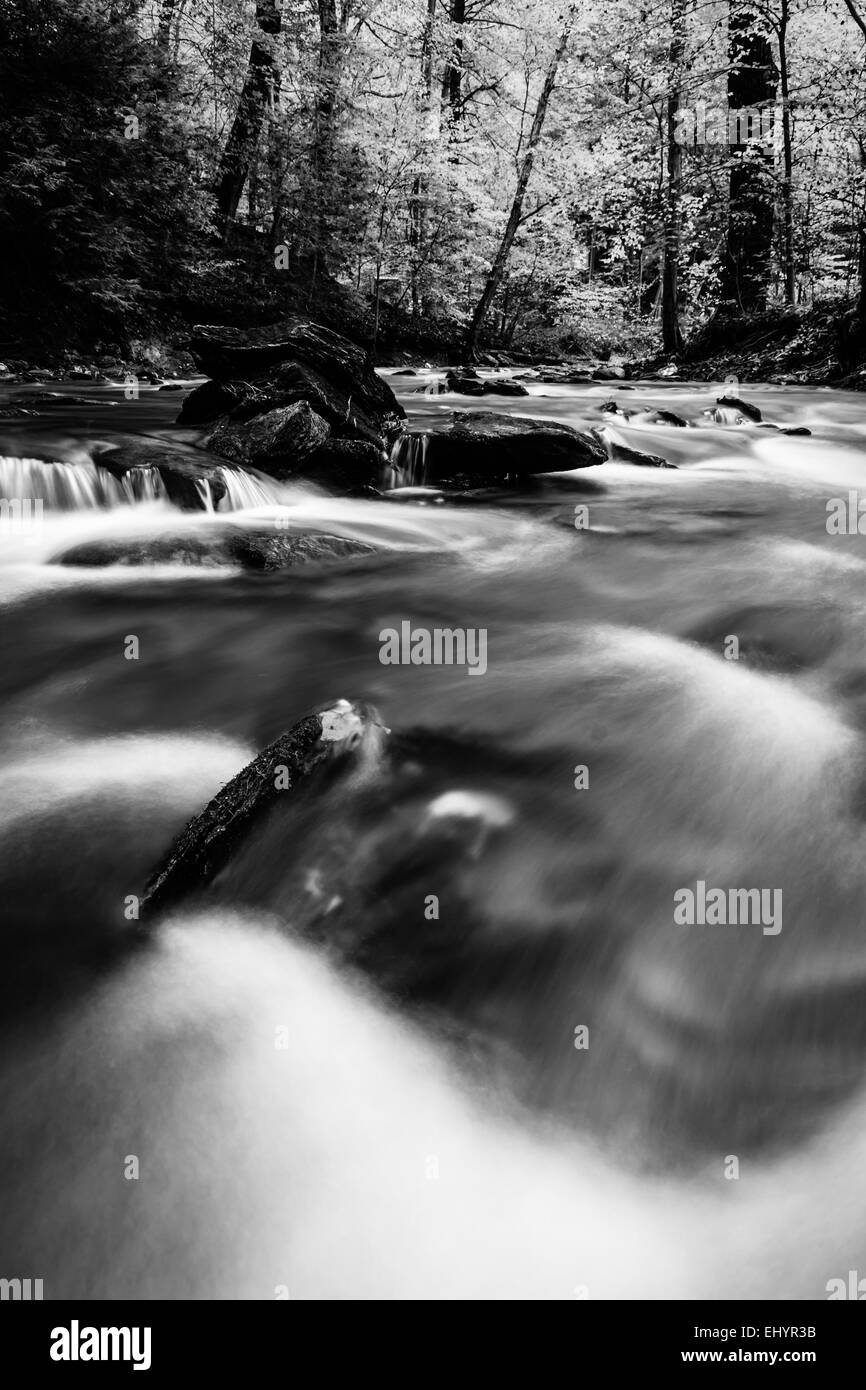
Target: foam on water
[(351, 1163), (140, 770)]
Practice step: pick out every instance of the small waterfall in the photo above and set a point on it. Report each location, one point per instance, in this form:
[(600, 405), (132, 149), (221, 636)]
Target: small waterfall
[(407, 466), (64, 486), (81, 485), (205, 492), (143, 485), (724, 415), (242, 490)]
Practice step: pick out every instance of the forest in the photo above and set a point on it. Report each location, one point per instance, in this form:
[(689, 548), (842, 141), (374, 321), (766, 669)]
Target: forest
[(437, 177)]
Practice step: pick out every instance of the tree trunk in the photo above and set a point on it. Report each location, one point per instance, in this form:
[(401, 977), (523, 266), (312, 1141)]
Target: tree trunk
[(452, 81), (752, 82), (787, 161), (861, 233), (500, 260), (418, 210), (672, 339), (331, 33), (163, 29), (256, 97)]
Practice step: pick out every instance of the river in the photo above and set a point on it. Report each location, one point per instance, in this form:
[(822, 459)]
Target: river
[(551, 1089)]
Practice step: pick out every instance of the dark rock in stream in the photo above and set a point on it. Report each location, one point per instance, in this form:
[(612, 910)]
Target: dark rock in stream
[(464, 382), (349, 415), (215, 547), (483, 447), (319, 743), (624, 453), (186, 478), (504, 387), (280, 550), (208, 551), (565, 376), (346, 465), (292, 361), (213, 399), (667, 417), (278, 442), (751, 412)]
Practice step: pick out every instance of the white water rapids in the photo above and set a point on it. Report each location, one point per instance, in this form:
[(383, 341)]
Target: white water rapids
[(413, 1120)]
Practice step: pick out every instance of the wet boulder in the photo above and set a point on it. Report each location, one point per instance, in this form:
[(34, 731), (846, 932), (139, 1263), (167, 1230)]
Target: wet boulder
[(624, 453), (264, 549), (563, 374), (349, 415), (317, 744), (278, 442), (299, 360), (208, 551), (213, 399), (189, 479), (667, 417), (344, 465), (483, 447), (465, 382), (504, 387), (751, 412), (281, 550)]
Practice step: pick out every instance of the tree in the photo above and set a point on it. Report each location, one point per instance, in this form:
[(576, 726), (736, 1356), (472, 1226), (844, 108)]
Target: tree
[(861, 229), (672, 338), (452, 78), (256, 97), (787, 189), (500, 260), (418, 203), (752, 84)]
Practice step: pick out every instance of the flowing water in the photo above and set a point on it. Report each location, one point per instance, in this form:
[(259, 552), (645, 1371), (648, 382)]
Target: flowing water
[(329, 1092)]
